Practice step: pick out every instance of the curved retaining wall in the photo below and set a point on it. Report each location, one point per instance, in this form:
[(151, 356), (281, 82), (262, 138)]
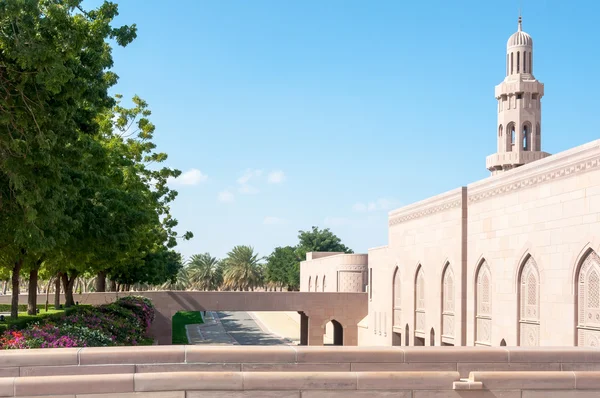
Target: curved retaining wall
[(300, 372)]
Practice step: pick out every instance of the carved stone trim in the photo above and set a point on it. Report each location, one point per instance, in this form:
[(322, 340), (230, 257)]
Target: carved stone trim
[(425, 212), (554, 174)]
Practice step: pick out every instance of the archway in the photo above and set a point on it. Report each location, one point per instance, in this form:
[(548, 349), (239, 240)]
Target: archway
[(334, 333), (432, 337), (587, 296), (323, 283), (406, 335), (503, 343)]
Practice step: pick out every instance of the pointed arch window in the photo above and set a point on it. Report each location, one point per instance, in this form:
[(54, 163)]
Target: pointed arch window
[(397, 299), (317, 283), (526, 138), (483, 305), (518, 61), (309, 283), (420, 303), (588, 301), (448, 301), (511, 63), (529, 304)]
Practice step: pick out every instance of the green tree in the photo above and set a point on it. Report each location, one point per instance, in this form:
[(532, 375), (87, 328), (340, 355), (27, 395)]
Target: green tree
[(54, 78), (242, 269), (205, 272), (317, 240), (282, 267)]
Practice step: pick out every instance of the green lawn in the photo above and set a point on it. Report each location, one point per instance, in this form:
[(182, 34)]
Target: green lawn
[(181, 319), (24, 319)]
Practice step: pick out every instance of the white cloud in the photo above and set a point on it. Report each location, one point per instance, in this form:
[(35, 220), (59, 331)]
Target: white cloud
[(248, 175), (190, 177), (381, 204), (225, 197), (270, 220), (248, 189), (276, 177)]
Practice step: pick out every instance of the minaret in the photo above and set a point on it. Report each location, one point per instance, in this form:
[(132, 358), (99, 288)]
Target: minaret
[(519, 96)]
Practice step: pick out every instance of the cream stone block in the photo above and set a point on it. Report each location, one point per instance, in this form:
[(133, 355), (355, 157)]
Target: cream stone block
[(525, 380), (356, 394), (561, 394), (465, 368), (296, 367), (75, 370), (404, 367), (60, 385), (240, 354), (587, 380), (466, 394), (455, 354), (160, 394), (554, 354), (244, 394), (299, 381), (7, 386), (405, 380), (9, 372), (39, 357), (178, 381), (131, 355), (348, 354), (54, 396), (188, 367)]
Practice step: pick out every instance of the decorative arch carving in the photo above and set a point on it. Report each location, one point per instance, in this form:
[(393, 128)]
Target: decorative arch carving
[(309, 283), (317, 283), (483, 304), (511, 136), (396, 298), (420, 302), (529, 303), (323, 288), (588, 301), (448, 304)]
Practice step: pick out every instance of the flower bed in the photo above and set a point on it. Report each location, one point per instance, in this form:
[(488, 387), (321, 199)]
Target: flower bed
[(124, 322)]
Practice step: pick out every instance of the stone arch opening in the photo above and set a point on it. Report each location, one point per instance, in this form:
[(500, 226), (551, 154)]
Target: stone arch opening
[(502, 343), (309, 283), (528, 298), (317, 283), (510, 136), (432, 337), (323, 288), (338, 333), (587, 301), (483, 304), (527, 136), (407, 335)]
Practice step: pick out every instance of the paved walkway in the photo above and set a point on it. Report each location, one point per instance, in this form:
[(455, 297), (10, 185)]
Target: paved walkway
[(231, 328), (210, 332)]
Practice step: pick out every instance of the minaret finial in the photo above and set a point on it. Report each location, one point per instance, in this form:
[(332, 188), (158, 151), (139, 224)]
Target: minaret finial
[(520, 20)]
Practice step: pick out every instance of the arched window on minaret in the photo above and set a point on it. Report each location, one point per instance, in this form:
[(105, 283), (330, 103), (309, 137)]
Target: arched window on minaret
[(524, 61), (518, 62), (511, 63), (526, 137), (512, 135)]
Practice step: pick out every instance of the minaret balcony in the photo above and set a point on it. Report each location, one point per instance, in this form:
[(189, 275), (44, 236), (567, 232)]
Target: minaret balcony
[(509, 160), (508, 87)]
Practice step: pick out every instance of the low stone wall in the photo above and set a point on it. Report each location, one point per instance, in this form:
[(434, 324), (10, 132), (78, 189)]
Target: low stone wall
[(300, 372)]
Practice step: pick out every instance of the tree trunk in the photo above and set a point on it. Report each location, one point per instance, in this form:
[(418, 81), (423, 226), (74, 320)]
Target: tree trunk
[(32, 292), (48, 293), (101, 282), (14, 304), (68, 283), (57, 292)]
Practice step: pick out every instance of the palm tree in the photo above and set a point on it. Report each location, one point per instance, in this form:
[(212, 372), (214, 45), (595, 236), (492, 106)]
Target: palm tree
[(182, 281), (242, 269), (204, 272)]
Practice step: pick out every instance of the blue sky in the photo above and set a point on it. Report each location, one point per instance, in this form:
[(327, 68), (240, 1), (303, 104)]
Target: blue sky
[(288, 114)]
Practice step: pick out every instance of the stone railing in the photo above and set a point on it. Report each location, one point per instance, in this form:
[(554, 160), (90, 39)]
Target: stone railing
[(286, 371)]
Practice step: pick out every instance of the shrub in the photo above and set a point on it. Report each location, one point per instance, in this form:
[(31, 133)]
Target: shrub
[(125, 322)]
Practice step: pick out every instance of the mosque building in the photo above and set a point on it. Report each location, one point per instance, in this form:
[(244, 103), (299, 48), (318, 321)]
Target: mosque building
[(508, 260)]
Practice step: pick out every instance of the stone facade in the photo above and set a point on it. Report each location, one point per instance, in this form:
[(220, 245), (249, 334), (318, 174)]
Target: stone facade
[(508, 260), (334, 272)]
